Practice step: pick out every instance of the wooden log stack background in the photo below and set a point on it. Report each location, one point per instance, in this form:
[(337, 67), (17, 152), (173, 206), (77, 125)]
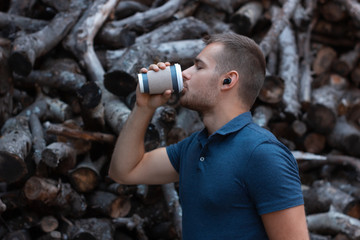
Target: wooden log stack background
[(67, 81)]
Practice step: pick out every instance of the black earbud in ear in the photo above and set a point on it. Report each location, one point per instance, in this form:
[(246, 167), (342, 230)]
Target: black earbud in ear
[(227, 81)]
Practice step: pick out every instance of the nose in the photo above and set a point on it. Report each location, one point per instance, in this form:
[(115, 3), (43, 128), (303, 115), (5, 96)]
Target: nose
[(186, 75)]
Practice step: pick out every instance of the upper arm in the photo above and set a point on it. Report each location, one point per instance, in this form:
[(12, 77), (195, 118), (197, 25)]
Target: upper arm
[(154, 168), (287, 224)]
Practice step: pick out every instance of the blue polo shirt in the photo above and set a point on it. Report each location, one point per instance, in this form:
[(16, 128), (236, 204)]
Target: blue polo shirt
[(229, 179)]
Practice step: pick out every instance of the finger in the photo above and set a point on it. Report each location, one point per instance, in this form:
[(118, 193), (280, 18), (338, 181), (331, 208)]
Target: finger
[(167, 63), (161, 65), (143, 70), (154, 67), (167, 94)]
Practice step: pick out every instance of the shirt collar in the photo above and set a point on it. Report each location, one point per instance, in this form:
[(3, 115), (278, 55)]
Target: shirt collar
[(233, 125)]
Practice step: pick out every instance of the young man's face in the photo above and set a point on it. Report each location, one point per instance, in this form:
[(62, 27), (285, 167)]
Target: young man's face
[(201, 81)]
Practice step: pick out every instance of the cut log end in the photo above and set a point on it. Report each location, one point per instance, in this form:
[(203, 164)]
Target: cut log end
[(12, 168), (119, 83), (120, 208), (50, 158), (20, 64), (89, 95), (84, 180), (321, 119), (272, 90)]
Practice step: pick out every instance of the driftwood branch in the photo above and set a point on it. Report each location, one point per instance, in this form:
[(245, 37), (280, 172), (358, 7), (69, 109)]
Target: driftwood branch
[(278, 26), (27, 48), (15, 145), (61, 130), (334, 222), (26, 24), (113, 30), (289, 71)]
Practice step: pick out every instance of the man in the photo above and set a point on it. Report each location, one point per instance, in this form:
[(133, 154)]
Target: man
[(236, 181)]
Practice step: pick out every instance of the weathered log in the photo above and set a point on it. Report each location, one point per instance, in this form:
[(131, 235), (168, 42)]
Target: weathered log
[(163, 230), (6, 83), (333, 42), (315, 143), (80, 43), (55, 194), (127, 8), (350, 187), (347, 61), (90, 228), (49, 223), (305, 69), (353, 8), (112, 31), (245, 18), (38, 141), (325, 28), (21, 7), (172, 199), (47, 108), (15, 145), (323, 60), (131, 223), (314, 236), (321, 115), (355, 75), (14, 200), (262, 115), (273, 89), (2, 206), (349, 106), (116, 114), (289, 71), (214, 18), (53, 235), (322, 195), (315, 160), (27, 48), (28, 25), (345, 137), (126, 64), (332, 11), (163, 119), (19, 234), (85, 177), (109, 204), (187, 10), (187, 122), (226, 5), (61, 130), (185, 28), (121, 189), (334, 222), (278, 24), (56, 77), (59, 155)]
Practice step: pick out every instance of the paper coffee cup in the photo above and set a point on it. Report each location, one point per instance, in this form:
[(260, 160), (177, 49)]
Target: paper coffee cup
[(157, 82)]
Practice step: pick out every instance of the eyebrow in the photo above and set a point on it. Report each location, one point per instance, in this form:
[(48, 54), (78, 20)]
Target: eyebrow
[(198, 60)]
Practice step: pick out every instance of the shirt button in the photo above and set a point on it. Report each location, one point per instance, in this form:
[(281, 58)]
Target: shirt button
[(202, 159)]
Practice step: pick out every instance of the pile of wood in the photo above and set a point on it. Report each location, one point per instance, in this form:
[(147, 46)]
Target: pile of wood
[(68, 75)]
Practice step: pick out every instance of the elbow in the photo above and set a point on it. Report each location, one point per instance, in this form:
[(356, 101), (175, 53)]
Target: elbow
[(117, 176)]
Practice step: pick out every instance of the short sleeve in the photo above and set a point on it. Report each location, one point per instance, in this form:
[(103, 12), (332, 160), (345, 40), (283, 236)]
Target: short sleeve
[(174, 155), (272, 178)]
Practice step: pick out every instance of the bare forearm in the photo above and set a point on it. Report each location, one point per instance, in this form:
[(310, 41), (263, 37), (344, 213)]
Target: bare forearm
[(129, 148)]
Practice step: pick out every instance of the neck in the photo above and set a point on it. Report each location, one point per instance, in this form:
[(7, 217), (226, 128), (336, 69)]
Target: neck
[(214, 120)]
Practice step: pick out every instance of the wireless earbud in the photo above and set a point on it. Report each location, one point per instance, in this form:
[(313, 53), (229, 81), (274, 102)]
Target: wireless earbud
[(227, 81)]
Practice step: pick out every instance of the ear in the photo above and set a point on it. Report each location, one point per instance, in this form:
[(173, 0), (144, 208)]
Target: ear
[(234, 76)]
